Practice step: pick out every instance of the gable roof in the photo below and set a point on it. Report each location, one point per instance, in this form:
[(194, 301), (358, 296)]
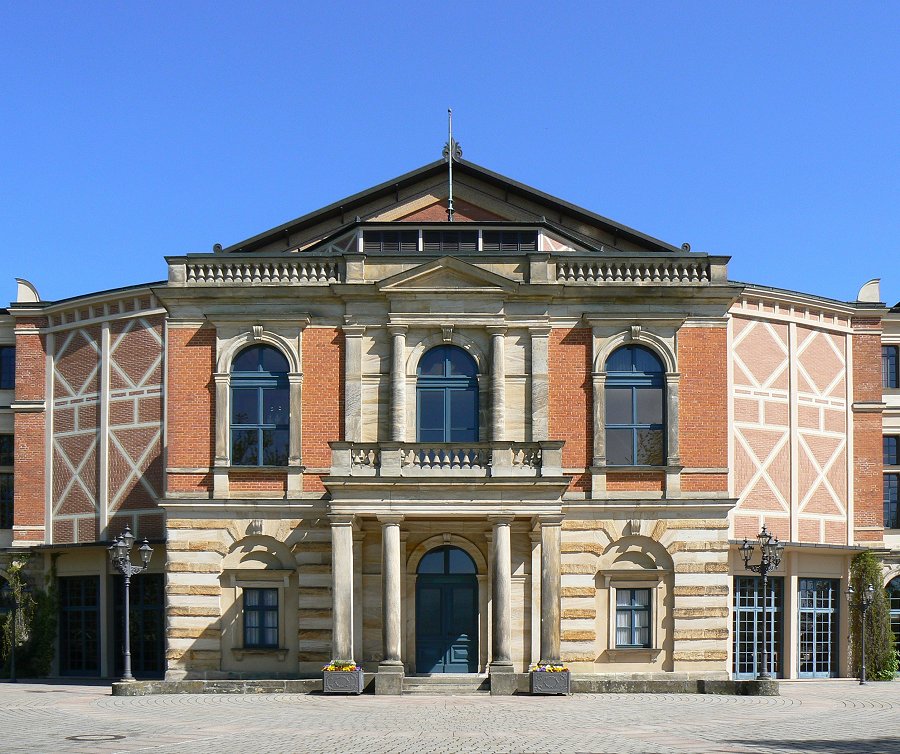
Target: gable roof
[(340, 209)]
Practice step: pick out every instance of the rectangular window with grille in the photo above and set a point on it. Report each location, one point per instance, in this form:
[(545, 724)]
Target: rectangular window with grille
[(391, 241), (260, 618), (890, 450), (633, 617), (891, 494), (6, 500), (890, 366), (449, 241), (509, 240)]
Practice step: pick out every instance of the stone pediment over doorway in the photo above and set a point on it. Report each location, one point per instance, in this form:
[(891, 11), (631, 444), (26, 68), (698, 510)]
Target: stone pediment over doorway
[(448, 274)]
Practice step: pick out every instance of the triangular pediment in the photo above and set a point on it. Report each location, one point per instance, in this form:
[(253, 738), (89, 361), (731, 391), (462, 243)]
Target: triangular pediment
[(450, 275)]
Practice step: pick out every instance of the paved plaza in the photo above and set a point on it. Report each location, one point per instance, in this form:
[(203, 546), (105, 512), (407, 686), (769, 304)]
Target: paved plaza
[(818, 717)]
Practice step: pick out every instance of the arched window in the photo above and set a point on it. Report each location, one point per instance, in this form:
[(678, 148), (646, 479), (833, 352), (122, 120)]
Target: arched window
[(447, 560), (893, 593), (260, 430), (635, 408), (447, 396)]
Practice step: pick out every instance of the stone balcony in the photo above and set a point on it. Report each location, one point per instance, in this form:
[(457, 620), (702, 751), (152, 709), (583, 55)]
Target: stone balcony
[(392, 460)]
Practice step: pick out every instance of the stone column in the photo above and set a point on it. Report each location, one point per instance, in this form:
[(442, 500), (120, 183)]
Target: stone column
[(295, 460), (498, 382), (598, 380), (390, 669), (353, 381), (398, 382), (342, 587), (540, 383), (223, 446), (550, 588), (503, 680), (673, 457)]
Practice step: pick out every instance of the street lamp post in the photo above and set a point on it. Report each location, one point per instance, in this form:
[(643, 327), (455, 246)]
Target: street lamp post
[(120, 557), (863, 603), (770, 550)]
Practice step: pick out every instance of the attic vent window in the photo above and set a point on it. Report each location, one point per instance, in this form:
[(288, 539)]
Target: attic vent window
[(392, 241), (449, 241), (509, 240)]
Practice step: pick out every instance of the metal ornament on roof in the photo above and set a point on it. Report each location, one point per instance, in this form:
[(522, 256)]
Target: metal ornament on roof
[(457, 151)]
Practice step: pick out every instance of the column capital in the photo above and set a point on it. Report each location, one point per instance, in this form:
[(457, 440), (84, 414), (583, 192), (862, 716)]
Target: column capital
[(495, 330), (540, 331), (295, 378), (352, 329), (398, 329), (387, 519), (500, 518), (341, 519), (221, 378), (549, 520)]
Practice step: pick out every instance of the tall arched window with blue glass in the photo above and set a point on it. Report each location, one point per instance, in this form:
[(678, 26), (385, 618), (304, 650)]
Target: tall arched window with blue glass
[(635, 408), (447, 396), (260, 413)]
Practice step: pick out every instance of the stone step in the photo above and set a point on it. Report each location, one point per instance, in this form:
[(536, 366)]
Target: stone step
[(447, 684)]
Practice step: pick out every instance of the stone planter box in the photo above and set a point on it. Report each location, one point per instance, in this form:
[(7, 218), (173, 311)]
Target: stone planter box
[(342, 681), (547, 683)]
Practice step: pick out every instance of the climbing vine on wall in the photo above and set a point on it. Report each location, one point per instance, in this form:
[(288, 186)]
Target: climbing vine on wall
[(881, 655)]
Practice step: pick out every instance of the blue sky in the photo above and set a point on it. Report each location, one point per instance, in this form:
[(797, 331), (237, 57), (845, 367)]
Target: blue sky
[(764, 131)]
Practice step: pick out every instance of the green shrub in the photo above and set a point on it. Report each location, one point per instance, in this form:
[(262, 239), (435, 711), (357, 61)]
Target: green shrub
[(881, 656), (36, 623)]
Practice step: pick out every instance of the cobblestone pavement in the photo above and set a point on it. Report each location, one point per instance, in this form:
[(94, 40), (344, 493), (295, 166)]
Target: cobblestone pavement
[(831, 717)]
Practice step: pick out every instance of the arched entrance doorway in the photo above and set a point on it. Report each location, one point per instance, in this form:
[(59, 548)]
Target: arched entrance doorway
[(446, 612)]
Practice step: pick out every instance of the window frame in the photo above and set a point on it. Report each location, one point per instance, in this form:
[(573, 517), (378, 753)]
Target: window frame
[(447, 385), (890, 367), (632, 609), (891, 498), (261, 381), (7, 484), (7, 367), (636, 381), (261, 610), (891, 455)]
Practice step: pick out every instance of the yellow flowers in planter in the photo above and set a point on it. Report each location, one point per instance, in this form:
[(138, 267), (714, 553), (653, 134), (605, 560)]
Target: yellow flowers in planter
[(341, 666), (548, 668)]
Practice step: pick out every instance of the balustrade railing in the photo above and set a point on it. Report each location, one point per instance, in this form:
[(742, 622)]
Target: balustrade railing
[(659, 272), (480, 459), (299, 271)]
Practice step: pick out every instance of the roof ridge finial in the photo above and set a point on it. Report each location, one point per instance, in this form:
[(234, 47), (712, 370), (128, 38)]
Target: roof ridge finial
[(452, 151)]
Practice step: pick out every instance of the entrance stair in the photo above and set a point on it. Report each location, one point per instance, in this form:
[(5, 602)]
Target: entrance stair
[(447, 684)]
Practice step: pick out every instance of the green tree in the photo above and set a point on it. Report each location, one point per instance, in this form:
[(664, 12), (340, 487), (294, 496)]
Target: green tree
[(36, 622), (881, 656)]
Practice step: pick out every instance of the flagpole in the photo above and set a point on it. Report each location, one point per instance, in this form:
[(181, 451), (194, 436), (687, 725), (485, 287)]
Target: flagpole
[(450, 162)]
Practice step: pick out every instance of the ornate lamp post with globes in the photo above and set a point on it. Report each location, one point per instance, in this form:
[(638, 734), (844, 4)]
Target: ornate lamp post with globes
[(770, 550), (863, 603), (120, 557)]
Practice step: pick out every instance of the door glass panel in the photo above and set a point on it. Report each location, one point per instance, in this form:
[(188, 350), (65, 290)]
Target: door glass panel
[(618, 405), (649, 405), (431, 413), (649, 447), (428, 609), (432, 562), (460, 363), (244, 406), (619, 451), (463, 416)]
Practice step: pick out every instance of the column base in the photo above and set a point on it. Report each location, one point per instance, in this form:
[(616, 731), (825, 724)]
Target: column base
[(504, 681), (389, 679)]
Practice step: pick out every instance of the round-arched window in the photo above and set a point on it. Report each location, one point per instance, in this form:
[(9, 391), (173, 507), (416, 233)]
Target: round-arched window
[(260, 413), (447, 560), (635, 408), (447, 396)]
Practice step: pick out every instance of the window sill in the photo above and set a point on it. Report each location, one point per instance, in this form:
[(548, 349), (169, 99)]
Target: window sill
[(272, 470), (633, 654), (280, 653)]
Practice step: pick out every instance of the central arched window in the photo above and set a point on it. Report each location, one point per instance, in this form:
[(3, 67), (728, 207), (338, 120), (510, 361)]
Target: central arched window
[(635, 408), (260, 429), (447, 396)]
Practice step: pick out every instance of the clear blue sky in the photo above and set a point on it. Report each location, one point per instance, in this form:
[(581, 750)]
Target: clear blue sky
[(764, 131)]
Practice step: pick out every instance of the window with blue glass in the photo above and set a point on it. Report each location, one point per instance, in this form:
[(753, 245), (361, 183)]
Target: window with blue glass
[(261, 618), (7, 367), (890, 450), (890, 366), (891, 505), (633, 617), (260, 414), (6, 481), (447, 396), (635, 408)]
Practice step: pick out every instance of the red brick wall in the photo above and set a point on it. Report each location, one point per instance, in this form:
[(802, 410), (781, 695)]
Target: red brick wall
[(635, 481), (191, 405), (323, 398), (703, 404), (28, 500), (243, 481), (571, 399), (867, 433)]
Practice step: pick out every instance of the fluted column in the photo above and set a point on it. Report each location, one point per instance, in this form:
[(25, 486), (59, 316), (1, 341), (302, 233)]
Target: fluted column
[(551, 527), (342, 587), (398, 382), (498, 382), (501, 587), (390, 590)]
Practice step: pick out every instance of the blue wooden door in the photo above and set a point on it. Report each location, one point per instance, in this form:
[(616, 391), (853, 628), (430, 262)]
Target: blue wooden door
[(446, 624)]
